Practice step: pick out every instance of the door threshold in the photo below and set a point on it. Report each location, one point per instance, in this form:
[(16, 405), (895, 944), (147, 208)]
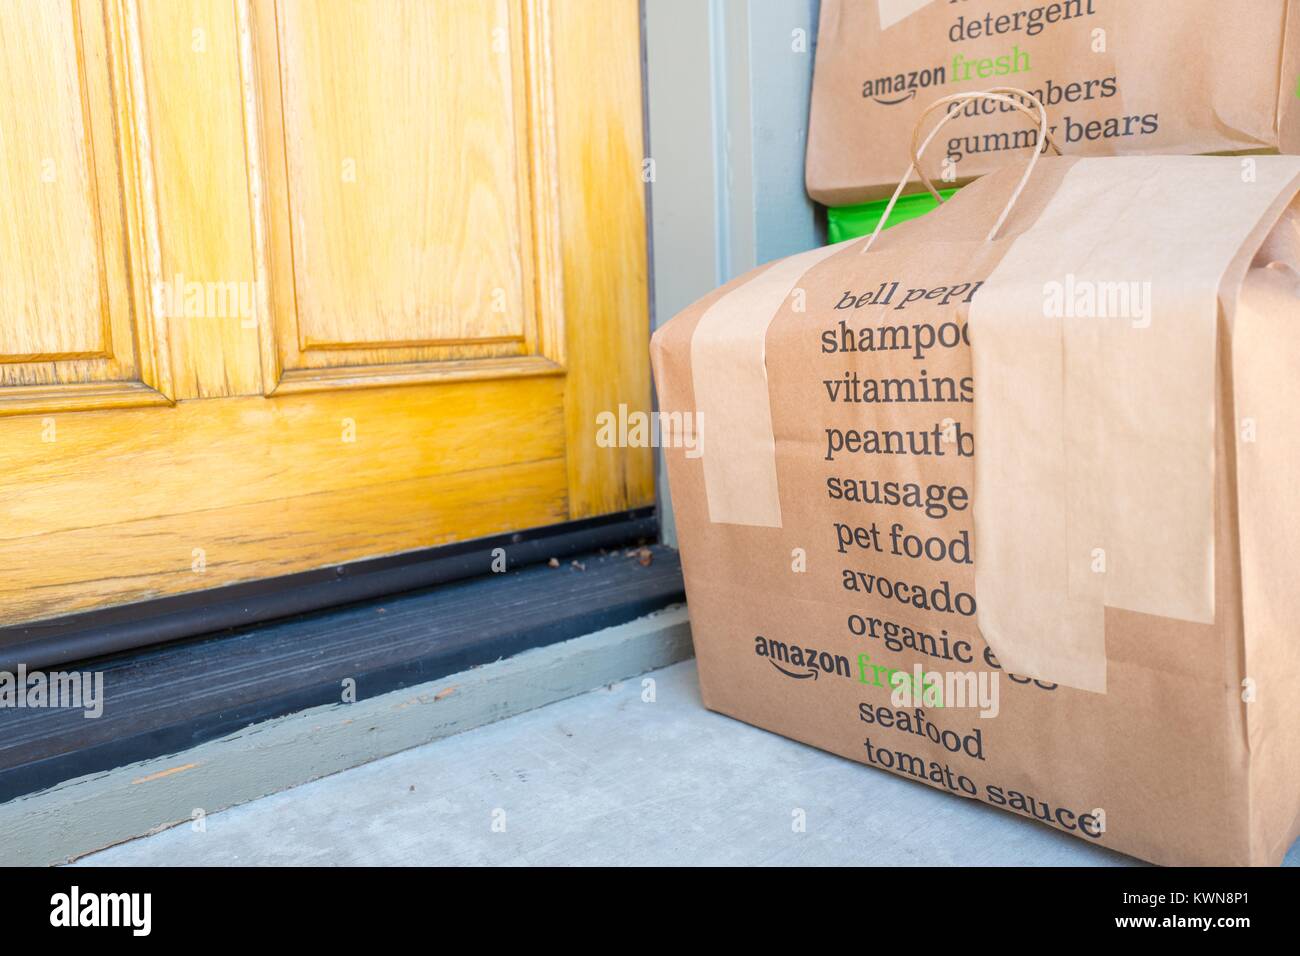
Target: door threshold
[(168, 699), (101, 810)]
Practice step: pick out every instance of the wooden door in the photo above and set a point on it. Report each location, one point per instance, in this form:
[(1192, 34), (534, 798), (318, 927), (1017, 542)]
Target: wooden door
[(288, 284)]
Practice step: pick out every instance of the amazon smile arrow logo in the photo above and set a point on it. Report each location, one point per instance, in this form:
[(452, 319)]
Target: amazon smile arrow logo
[(800, 662), (901, 87), (812, 672)]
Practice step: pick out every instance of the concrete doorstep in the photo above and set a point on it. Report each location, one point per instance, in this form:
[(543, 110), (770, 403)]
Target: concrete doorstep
[(637, 773)]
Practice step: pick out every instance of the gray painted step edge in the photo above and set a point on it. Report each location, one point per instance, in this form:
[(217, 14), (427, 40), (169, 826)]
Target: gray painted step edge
[(99, 810)]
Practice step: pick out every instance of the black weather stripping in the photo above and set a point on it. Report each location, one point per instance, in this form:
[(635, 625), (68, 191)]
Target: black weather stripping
[(129, 626)]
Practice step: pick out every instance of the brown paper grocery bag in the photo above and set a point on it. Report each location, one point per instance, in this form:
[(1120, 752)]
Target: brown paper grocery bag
[(1016, 517), (1118, 77)]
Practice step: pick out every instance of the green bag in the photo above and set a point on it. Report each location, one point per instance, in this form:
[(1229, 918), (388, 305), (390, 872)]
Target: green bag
[(850, 222)]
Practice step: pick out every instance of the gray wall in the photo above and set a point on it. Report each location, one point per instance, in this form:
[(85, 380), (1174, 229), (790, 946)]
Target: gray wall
[(727, 89)]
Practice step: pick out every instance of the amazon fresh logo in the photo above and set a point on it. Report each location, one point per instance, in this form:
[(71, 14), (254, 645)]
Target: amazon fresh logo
[(801, 663), (901, 87)]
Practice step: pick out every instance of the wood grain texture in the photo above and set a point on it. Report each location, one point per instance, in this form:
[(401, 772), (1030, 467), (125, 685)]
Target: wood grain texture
[(50, 268), (136, 560), (399, 221), (267, 487), (206, 277), (407, 202), (71, 299), (606, 300), (402, 171), (107, 468)]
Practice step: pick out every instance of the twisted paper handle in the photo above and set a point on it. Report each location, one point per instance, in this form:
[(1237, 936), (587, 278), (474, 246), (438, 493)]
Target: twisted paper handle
[(1019, 100)]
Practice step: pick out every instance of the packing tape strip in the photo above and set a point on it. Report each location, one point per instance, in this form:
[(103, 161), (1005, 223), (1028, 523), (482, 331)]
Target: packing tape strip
[(1094, 423), (891, 11), (734, 413)]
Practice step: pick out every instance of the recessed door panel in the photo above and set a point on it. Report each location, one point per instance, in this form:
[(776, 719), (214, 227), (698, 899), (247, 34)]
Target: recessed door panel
[(73, 320), (409, 198)]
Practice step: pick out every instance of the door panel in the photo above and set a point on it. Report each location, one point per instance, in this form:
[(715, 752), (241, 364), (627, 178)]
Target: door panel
[(377, 263), (193, 114), (49, 316), (70, 334), (374, 268), (413, 262)]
